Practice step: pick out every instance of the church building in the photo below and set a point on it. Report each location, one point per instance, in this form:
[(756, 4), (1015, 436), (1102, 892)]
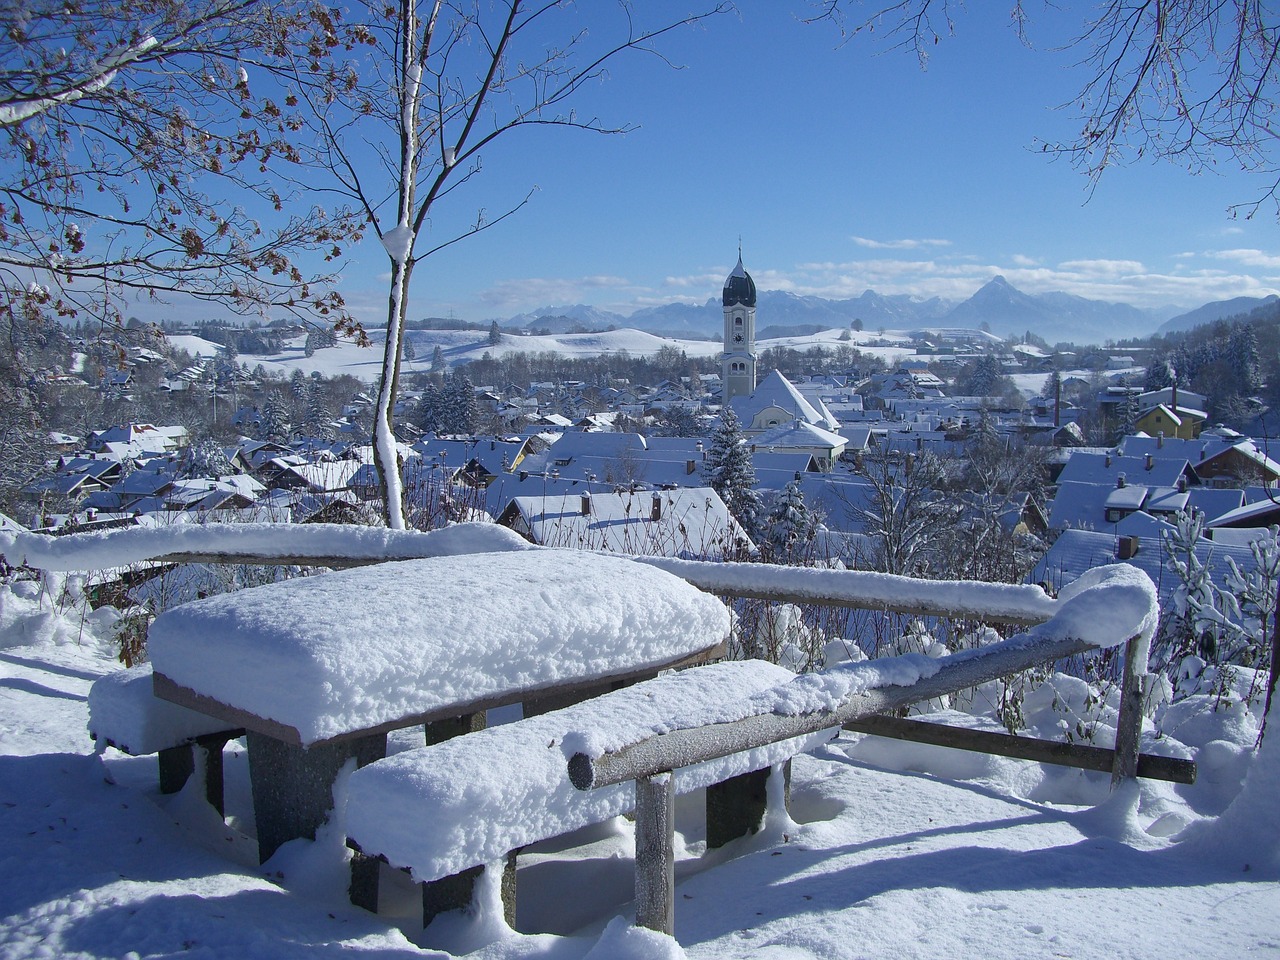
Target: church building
[(775, 416), (738, 362)]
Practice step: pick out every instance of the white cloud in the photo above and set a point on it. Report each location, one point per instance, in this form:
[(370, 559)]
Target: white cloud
[(1248, 258), (899, 244), (1102, 268)]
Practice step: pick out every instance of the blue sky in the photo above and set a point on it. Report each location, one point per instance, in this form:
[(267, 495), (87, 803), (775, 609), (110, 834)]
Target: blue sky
[(842, 168)]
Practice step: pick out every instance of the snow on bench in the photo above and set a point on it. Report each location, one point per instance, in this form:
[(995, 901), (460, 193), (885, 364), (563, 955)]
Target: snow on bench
[(442, 809), (319, 669), (124, 713)]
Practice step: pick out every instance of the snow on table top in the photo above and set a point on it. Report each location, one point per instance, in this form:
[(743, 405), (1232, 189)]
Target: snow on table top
[(113, 548), (493, 791), (125, 713), (354, 650)]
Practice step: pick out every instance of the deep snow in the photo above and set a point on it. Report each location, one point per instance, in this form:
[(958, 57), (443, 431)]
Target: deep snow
[(899, 850)]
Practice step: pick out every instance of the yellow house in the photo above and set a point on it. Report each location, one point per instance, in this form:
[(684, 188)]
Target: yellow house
[(1184, 423)]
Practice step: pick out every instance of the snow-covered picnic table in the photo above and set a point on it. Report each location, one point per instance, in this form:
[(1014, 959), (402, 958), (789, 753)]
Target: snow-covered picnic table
[(318, 670)]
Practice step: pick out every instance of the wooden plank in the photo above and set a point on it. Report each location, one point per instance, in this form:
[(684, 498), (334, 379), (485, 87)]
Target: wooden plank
[(680, 748), (656, 853), (1082, 756)]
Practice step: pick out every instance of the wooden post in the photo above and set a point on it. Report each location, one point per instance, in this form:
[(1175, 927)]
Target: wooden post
[(656, 853), (1129, 723)]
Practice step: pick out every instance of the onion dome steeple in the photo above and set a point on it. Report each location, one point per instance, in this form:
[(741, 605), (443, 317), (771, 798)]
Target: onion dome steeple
[(739, 287)]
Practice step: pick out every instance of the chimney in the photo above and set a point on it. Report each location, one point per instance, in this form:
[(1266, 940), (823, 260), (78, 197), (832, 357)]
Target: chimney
[(1120, 482), (1151, 461), (586, 504), (690, 466), (1182, 484), (1126, 548), (655, 513), (1108, 462), (1160, 440), (1057, 403)]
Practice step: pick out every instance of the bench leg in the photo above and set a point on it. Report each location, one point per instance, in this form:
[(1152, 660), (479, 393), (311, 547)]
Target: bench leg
[(176, 766), (656, 853), (438, 731), (293, 787), (457, 892), (209, 750), (736, 807), (363, 890)]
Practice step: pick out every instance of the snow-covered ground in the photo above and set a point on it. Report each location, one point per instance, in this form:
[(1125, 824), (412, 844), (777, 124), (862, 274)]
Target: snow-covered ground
[(461, 346), (899, 850)]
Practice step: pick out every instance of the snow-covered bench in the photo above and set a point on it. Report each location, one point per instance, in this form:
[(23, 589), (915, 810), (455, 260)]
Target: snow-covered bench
[(318, 670), (124, 713), (455, 808)]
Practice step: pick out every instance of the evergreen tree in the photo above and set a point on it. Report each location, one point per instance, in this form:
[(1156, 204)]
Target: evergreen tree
[(461, 412), (430, 409), (318, 423), (1159, 374), (206, 459), (437, 359), (275, 421), (1242, 355), (409, 351), (495, 335), (791, 524), (728, 470)]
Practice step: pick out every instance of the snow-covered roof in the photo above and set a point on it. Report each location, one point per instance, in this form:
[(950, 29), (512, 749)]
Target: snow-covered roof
[(798, 434), (1105, 469), (1078, 551), (691, 522), (777, 391)]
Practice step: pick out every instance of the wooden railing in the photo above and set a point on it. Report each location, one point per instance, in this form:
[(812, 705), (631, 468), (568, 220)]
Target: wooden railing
[(1078, 625)]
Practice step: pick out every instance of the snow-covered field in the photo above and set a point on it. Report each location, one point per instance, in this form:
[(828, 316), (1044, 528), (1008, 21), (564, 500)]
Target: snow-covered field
[(460, 346), (899, 850)]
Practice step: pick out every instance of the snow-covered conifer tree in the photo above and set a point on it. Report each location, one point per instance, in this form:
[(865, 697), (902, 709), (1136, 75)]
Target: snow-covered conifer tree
[(791, 524), (728, 470)]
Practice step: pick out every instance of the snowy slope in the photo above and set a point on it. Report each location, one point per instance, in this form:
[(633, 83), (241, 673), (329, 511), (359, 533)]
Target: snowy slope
[(461, 346)]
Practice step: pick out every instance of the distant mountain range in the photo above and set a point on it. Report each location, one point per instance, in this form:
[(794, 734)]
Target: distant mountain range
[(999, 305), (1218, 310)]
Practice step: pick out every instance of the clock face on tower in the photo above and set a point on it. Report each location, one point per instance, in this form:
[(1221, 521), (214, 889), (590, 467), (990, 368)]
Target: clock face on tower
[(737, 338)]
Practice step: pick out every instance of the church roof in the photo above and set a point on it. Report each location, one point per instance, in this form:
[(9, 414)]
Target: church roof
[(739, 287), (797, 434), (777, 391)]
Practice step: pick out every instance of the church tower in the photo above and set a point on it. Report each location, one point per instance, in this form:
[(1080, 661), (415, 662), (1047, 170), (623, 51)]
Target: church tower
[(738, 363)]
